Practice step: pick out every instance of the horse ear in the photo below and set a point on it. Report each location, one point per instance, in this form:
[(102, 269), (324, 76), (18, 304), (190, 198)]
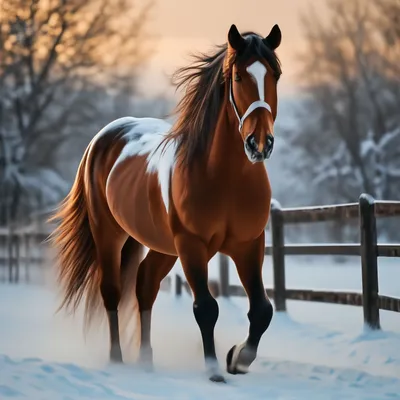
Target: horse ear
[(235, 39), (273, 40)]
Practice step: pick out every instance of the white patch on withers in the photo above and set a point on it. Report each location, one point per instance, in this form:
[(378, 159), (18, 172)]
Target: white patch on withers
[(258, 71), (118, 123), (144, 137)]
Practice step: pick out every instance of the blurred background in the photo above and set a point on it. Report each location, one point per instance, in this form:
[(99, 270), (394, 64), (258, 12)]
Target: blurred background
[(67, 68)]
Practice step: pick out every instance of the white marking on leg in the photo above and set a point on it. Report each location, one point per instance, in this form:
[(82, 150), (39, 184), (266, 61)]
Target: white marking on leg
[(258, 71), (236, 352), (213, 368)]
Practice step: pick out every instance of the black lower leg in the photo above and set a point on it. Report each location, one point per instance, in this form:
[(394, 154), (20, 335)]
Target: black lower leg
[(146, 292), (206, 312), (115, 347), (111, 296), (146, 351), (241, 356), (260, 316), (249, 258), (194, 257)]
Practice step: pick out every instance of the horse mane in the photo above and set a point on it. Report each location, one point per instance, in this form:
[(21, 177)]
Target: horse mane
[(199, 108)]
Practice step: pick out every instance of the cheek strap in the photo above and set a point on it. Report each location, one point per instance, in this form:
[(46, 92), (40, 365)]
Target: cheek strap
[(253, 106)]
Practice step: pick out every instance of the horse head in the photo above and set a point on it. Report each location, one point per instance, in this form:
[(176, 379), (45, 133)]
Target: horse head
[(252, 71)]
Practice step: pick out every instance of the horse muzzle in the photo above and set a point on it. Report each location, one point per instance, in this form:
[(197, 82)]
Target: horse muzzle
[(252, 148)]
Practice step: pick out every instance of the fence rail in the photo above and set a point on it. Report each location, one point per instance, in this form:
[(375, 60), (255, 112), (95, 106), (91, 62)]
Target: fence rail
[(367, 210), (338, 212), (16, 250), (334, 249), (16, 247)]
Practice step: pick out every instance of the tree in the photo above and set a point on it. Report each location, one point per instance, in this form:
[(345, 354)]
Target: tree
[(60, 60), (348, 131)]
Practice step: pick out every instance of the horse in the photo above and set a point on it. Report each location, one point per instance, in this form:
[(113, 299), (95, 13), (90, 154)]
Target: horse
[(186, 189)]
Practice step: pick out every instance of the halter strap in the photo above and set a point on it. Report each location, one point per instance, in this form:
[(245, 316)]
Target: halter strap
[(256, 104)]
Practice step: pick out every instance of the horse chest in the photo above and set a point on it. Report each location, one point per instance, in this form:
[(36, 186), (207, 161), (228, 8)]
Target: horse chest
[(248, 213), (237, 210)]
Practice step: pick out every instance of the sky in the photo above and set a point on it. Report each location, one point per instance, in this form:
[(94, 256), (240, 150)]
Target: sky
[(185, 26)]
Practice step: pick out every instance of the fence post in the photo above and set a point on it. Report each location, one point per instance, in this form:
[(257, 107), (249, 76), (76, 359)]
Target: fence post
[(10, 256), (178, 285), (223, 275), (27, 256), (278, 255), (3, 249), (369, 260), (17, 257)]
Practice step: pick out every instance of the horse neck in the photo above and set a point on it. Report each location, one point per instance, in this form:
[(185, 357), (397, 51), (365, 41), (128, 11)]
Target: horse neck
[(227, 149)]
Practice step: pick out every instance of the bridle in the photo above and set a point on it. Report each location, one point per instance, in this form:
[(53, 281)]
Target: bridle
[(253, 106)]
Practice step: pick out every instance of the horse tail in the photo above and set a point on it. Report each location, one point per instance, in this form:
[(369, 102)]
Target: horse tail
[(75, 245)]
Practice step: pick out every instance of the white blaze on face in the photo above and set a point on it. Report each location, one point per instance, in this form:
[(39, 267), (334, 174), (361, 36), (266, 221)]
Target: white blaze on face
[(258, 72)]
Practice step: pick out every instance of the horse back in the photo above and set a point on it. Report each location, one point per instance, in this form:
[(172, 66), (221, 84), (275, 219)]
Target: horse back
[(137, 182)]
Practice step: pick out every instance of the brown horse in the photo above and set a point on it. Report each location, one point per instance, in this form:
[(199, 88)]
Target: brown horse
[(188, 190)]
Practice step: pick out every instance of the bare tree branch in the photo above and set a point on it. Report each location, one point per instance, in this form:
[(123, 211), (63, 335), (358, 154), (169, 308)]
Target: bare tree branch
[(57, 61), (350, 72)]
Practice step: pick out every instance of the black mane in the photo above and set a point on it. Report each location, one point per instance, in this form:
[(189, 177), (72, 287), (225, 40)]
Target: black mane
[(255, 47), (200, 106)]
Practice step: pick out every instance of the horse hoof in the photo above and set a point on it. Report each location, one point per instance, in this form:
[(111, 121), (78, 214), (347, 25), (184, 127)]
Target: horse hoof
[(146, 360), (229, 365), (217, 378), (214, 372), (146, 365), (239, 358), (116, 355)]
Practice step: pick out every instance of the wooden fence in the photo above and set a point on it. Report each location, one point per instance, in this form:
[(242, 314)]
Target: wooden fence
[(19, 250), (366, 211), (16, 251)]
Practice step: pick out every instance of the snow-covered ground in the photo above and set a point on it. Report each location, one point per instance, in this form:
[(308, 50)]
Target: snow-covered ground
[(314, 351)]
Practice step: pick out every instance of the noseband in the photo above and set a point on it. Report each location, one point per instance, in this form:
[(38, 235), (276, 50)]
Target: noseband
[(253, 106)]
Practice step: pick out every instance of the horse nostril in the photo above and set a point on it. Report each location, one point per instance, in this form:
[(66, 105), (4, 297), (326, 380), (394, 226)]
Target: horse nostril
[(251, 142), (270, 145), (270, 141)]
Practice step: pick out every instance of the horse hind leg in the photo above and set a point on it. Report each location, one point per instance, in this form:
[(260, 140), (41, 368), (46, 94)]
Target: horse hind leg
[(109, 260), (89, 243), (152, 270)]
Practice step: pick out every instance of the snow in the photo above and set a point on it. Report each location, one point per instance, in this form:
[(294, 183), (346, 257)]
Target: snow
[(40, 187), (314, 351)]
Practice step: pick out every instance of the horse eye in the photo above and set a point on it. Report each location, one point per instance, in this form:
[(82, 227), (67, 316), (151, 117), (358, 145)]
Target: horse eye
[(238, 78)]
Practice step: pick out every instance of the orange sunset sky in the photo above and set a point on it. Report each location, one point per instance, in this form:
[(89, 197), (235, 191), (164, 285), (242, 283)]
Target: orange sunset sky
[(184, 26)]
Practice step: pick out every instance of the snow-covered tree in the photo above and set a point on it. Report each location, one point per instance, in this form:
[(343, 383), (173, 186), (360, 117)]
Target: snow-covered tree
[(59, 61), (347, 138)]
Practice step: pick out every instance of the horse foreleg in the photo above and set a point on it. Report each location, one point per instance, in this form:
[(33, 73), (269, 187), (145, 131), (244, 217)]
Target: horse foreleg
[(249, 259), (194, 258), (152, 270)]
